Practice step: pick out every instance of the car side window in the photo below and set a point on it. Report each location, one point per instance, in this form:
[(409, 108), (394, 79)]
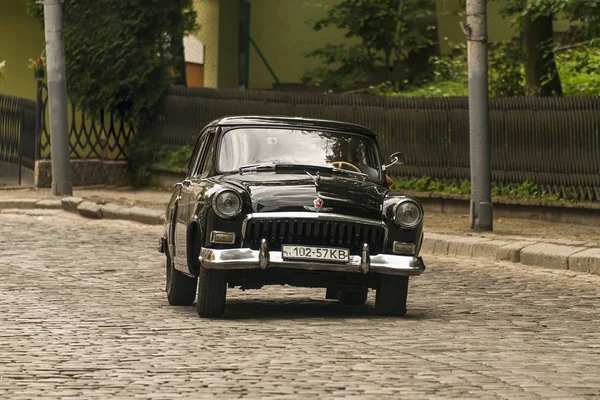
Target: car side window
[(210, 153), (199, 164), (197, 154)]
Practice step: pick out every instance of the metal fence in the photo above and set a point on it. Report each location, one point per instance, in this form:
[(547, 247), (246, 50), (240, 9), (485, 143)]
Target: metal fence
[(17, 140), (101, 136), (554, 142)]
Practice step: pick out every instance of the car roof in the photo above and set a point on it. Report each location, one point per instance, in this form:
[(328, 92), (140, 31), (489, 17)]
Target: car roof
[(292, 122)]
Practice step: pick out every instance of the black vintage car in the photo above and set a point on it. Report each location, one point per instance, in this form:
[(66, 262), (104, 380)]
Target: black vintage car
[(303, 202)]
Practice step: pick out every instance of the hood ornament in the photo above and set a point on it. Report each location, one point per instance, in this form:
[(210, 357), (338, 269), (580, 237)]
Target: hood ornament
[(318, 206)]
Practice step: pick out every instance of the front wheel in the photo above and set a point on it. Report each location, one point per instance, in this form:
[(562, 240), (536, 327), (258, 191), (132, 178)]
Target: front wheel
[(391, 296), (181, 289), (212, 292)]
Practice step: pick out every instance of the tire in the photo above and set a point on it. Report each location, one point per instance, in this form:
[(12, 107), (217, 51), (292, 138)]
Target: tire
[(180, 288), (212, 293), (352, 298), (391, 295), (331, 294)]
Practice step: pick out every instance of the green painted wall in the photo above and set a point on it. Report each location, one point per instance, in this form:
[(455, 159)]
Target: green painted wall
[(21, 38), (283, 33), (228, 44)]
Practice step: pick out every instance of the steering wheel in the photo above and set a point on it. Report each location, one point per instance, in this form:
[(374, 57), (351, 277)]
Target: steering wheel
[(339, 164)]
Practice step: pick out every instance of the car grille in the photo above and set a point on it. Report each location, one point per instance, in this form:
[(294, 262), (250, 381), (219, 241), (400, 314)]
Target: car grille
[(307, 231)]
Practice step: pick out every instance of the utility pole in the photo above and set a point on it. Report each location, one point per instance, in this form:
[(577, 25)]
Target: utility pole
[(480, 141), (57, 98)]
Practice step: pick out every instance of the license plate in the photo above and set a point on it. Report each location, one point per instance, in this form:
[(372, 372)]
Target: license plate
[(294, 252)]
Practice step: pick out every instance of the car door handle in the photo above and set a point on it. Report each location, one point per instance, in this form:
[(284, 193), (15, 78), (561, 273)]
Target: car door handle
[(187, 182)]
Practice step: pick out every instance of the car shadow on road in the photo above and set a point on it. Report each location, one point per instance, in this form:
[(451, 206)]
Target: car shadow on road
[(277, 309)]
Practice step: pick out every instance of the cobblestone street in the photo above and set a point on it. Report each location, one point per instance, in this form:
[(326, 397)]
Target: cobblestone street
[(83, 314)]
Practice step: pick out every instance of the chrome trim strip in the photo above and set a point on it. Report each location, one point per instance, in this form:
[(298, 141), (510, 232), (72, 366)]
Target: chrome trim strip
[(315, 216), (246, 258)]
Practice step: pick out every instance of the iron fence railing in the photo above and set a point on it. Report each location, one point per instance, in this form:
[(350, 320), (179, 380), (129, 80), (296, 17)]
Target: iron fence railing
[(17, 140), (554, 142), (101, 136)]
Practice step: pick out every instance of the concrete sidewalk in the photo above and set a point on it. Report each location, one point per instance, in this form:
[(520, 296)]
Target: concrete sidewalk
[(530, 243)]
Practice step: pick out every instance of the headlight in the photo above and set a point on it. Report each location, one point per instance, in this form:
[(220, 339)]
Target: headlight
[(407, 214), (227, 204)]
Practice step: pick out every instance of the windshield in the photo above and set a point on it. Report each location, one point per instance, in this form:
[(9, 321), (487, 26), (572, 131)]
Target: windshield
[(249, 146)]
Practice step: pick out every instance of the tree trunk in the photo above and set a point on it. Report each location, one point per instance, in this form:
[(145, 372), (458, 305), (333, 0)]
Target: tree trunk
[(418, 61), (541, 74)]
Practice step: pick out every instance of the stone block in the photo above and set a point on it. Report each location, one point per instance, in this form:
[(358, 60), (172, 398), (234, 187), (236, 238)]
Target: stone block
[(71, 203), (586, 261), (52, 204), (463, 246), (512, 251), (488, 249), (89, 209), (145, 216), (548, 255), (18, 203), (114, 211), (85, 173), (435, 244)]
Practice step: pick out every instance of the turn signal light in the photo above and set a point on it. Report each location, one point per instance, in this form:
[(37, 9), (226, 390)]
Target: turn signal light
[(404, 248), (222, 237)]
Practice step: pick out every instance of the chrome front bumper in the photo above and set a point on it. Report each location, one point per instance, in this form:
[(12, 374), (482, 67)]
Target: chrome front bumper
[(246, 258)]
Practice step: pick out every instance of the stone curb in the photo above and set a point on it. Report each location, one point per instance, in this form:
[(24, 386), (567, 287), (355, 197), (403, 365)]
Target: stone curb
[(90, 209), (574, 256), (528, 253)]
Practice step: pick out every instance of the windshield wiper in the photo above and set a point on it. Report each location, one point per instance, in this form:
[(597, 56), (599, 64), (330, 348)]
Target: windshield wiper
[(272, 166)]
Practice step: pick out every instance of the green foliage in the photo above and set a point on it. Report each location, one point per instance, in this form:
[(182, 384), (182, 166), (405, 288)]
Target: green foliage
[(174, 159), (433, 89), (450, 77), (121, 56), (526, 190), (580, 71), (506, 72), (387, 32), (427, 184), (118, 53)]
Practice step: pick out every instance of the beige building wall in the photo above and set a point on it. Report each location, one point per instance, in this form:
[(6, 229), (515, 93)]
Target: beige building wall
[(208, 19), (21, 38)]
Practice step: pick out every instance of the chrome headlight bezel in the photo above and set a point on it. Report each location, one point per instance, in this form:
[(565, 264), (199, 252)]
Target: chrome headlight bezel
[(219, 212), (395, 214)]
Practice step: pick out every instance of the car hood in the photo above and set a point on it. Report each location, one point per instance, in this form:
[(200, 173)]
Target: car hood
[(275, 191)]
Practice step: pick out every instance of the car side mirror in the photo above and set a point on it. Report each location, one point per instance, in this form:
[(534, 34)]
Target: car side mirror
[(396, 158)]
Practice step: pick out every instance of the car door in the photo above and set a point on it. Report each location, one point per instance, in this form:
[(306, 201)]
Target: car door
[(187, 201)]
